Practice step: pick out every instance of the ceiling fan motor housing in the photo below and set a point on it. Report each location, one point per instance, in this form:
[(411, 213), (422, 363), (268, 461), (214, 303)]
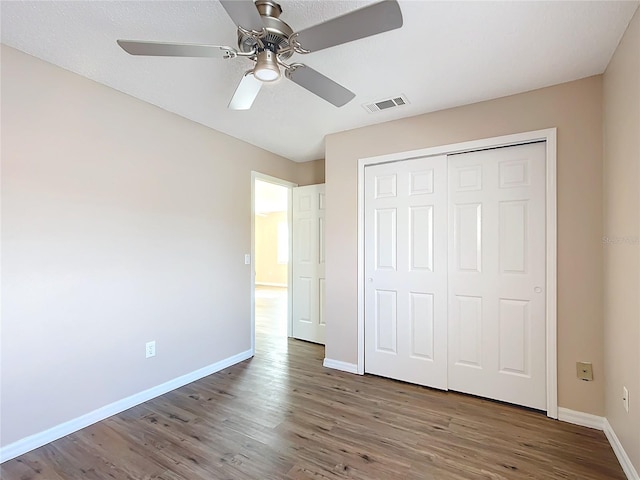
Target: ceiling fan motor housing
[(278, 32)]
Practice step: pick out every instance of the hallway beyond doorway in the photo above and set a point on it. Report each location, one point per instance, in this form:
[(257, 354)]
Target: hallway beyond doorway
[(271, 314)]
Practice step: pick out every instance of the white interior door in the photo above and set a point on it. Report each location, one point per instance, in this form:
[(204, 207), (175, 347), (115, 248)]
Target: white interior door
[(497, 274), (308, 263), (406, 271)]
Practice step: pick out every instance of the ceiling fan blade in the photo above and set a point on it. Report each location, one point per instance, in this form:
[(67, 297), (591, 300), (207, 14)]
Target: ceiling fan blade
[(246, 92), (243, 13), (364, 22), (320, 85), (164, 49)]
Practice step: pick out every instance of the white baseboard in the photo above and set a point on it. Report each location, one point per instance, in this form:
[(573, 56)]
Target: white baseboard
[(338, 365), (581, 418), (32, 442), (601, 423), (623, 458), (39, 439), (271, 284)]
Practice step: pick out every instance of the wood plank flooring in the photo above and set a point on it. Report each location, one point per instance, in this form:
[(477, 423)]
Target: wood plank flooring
[(281, 415)]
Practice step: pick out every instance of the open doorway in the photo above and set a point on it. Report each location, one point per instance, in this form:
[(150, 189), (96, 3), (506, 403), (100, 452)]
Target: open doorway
[(271, 254)]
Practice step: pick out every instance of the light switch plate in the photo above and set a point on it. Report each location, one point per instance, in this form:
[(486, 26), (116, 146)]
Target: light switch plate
[(625, 398), (585, 371), (150, 349)]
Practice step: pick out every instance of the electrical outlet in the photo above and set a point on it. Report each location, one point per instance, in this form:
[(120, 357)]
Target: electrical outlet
[(247, 259), (584, 371), (625, 398), (150, 349)]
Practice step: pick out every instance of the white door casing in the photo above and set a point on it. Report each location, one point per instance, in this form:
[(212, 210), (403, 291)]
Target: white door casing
[(549, 136), (308, 263), (497, 274), (289, 185), (406, 271), (498, 255)]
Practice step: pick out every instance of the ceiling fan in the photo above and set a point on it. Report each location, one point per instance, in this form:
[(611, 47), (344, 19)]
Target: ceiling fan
[(269, 42)]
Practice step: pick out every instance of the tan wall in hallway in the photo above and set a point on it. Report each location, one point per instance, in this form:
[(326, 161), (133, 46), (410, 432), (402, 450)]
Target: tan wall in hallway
[(575, 108), (622, 228), (268, 270), (310, 173)]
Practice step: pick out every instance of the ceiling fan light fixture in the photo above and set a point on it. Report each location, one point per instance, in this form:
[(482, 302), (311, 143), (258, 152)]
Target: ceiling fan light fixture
[(266, 69)]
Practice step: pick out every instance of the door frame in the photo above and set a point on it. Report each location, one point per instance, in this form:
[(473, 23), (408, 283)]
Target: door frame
[(550, 137), (289, 185)]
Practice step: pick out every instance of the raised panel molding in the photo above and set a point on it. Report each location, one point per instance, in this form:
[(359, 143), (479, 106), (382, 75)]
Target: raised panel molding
[(303, 231), (321, 247), (514, 320), (468, 237), (468, 318), (469, 179), (385, 242), (422, 325), (514, 173), (304, 289), (385, 186), (321, 287), (514, 236), (421, 182), (386, 320), (421, 238), (304, 203)]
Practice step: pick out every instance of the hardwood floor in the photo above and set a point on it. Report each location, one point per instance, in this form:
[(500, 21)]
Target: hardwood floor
[(281, 415)]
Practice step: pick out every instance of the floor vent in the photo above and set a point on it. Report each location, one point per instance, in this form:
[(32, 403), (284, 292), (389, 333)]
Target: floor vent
[(386, 104)]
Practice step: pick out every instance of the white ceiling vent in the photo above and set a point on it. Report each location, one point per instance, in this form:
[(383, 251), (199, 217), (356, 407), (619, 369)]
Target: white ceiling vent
[(386, 103)]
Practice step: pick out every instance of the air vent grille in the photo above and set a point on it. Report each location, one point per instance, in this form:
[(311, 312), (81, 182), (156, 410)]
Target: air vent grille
[(386, 104)]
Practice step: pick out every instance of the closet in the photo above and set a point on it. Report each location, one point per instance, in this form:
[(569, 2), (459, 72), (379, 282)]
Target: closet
[(454, 272)]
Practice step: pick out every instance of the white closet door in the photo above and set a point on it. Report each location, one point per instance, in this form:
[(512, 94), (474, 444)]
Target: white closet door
[(308, 263), (497, 274), (406, 271)]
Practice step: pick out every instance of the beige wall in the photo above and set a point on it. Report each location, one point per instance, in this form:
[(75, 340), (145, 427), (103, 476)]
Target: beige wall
[(310, 173), (121, 223), (576, 110), (268, 270), (621, 227)]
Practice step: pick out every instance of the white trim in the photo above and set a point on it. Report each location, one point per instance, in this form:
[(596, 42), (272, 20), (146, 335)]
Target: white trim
[(338, 365), (271, 284), (32, 442), (549, 136), (360, 281), (580, 418), (625, 462), (290, 265), (601, 423), (290, 185), (552, 276)]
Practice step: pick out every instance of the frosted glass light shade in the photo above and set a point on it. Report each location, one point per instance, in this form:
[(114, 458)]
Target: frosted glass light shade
[(266, 69)]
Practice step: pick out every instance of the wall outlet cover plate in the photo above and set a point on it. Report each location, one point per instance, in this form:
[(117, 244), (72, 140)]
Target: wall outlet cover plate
[(584, 371)]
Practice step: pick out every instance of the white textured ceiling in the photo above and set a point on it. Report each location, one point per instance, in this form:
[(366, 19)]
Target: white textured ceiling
[(446, 54)]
